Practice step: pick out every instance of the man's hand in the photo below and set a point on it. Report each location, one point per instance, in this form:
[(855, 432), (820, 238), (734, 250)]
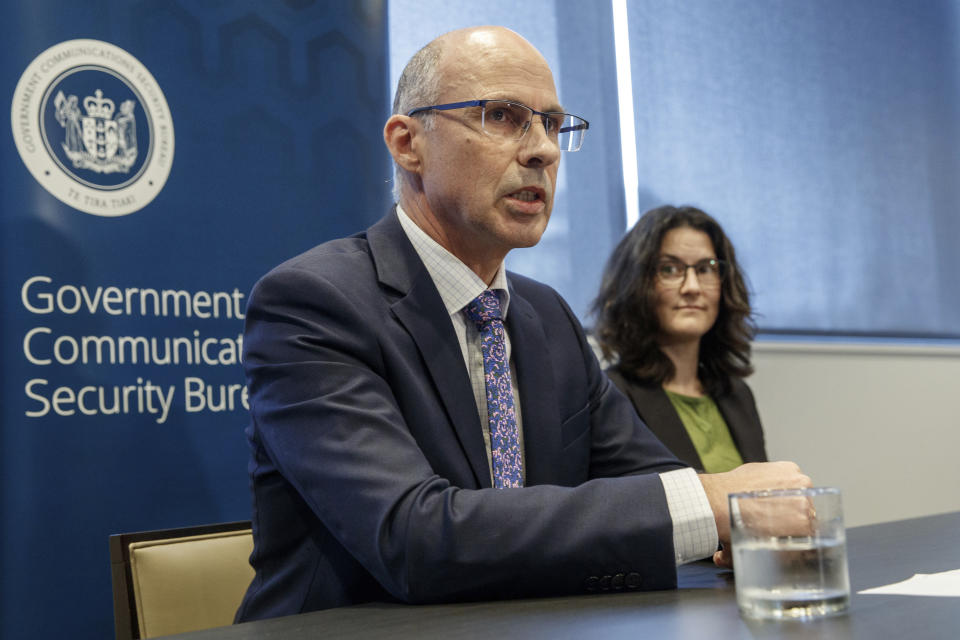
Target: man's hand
[(754, 476)]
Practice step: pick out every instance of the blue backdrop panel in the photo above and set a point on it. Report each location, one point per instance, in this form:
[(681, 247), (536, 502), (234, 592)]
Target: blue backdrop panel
[(226, 137)]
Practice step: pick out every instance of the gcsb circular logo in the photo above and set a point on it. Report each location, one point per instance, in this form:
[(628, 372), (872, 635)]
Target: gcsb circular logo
[(93, 127)]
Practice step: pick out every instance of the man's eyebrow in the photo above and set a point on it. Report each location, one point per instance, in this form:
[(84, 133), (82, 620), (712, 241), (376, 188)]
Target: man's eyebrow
[(553, 108)]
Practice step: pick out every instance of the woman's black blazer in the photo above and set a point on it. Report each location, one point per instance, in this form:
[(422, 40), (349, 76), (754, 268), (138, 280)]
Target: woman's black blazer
[(737, 407)]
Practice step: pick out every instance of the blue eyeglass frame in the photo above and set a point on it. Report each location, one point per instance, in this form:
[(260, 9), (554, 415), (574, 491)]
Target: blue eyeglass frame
[(482, 103)]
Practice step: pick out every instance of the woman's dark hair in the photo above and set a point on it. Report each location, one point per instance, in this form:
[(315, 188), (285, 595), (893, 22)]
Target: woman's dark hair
[(627, 327)]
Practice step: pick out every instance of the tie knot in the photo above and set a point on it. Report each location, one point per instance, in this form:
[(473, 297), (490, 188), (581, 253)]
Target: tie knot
[(483, 308)]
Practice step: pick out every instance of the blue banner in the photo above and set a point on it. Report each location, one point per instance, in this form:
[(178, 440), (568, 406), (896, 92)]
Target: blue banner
[(161, 157)]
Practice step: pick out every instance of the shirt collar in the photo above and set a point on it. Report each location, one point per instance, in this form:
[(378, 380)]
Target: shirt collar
[(457, 283)]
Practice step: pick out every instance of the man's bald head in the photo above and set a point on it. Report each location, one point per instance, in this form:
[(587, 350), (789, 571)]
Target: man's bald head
[(422, 79)]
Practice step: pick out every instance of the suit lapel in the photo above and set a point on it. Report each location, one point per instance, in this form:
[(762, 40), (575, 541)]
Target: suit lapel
[(743, 426), (538, 397), (657, 411), (420, 310)]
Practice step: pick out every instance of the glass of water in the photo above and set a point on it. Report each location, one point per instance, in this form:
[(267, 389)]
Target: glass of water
[(789, 553)]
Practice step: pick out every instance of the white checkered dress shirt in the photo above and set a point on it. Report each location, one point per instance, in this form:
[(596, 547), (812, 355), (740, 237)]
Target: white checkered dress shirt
[(694, 530)]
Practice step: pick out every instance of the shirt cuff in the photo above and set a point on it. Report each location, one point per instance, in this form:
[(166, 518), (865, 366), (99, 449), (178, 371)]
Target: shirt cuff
[(694, 527)]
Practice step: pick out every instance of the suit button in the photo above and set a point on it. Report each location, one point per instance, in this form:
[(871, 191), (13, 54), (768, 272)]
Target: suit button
[(605, 583), (618, 581), (633, 580), (591, 583)]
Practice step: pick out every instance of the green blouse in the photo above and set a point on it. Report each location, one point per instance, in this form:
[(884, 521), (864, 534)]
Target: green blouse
[(708, 431)]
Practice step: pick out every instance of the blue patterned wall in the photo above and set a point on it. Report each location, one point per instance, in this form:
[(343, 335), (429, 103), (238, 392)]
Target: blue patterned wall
[(276, 112)]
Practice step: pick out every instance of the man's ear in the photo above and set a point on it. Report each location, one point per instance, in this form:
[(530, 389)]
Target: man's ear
[(399, 134)]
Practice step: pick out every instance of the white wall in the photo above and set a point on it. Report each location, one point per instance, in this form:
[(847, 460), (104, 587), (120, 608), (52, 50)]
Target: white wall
[(881, 422)]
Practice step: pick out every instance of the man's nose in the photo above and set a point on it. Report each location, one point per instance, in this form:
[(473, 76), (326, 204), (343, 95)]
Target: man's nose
[(536, 147)]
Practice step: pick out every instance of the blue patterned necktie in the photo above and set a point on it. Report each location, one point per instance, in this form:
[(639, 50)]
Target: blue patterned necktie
[(484, 311)]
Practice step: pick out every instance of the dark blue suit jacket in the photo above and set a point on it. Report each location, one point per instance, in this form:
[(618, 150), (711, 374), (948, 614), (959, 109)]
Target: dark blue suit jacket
[(368, 468)]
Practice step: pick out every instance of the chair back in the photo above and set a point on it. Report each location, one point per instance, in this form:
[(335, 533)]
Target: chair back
[(177, 580)]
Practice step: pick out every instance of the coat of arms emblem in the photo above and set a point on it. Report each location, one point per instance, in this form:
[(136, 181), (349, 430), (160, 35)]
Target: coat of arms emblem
[(85, 132), (98, 141)]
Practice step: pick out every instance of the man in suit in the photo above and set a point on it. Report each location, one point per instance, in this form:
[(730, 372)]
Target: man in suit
[(407, 447)]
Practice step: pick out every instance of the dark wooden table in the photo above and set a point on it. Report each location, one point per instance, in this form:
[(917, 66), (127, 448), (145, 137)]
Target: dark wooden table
[(703, 608)]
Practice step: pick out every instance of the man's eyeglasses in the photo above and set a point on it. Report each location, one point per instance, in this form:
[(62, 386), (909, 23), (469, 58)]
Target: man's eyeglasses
[(507, 120), (710, 272)]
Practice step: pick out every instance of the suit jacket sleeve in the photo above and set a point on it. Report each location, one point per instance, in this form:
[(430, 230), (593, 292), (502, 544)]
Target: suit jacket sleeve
[(356, 452)]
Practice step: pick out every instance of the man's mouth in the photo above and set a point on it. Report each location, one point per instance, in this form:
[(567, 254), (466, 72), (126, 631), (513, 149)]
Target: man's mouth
[(528, 194)]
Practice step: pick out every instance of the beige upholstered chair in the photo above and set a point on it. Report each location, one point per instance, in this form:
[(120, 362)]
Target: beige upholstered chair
[(178, 580)]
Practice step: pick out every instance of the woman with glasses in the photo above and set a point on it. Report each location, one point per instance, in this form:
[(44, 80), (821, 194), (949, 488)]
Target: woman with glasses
[(673, 316)]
